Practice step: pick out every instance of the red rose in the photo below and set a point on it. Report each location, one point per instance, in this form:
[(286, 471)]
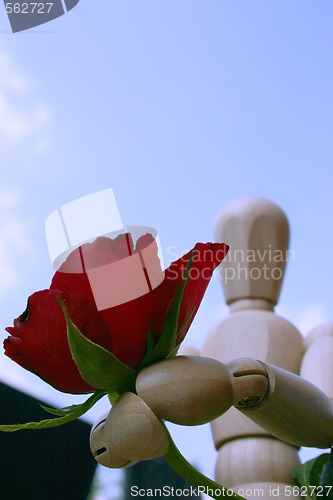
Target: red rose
[(38, 340)]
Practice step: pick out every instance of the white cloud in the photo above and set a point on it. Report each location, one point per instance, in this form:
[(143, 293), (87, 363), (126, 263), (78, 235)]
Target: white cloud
[(24, 133), (9, 77), (23, 116), (9, 197), (13, 238)]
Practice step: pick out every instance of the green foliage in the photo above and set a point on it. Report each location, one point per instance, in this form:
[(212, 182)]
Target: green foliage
[(67, 414), (315, 477)]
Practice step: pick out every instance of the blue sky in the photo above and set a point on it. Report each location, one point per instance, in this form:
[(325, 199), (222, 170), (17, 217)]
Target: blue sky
[(180, 107)]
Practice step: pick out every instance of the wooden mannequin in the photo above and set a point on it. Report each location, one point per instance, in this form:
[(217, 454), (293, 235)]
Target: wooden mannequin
[(258, 234), (246, 380), (317, 362)]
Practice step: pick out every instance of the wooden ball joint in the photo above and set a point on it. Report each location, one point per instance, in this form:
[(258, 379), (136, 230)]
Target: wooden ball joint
[(130, 432), (101, 449), (191, 390)]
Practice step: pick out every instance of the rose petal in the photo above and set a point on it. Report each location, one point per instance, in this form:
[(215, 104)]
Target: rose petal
[(73, 284), (38, 340), (104, 250), (70, 277), (129, 322), (205, 258)]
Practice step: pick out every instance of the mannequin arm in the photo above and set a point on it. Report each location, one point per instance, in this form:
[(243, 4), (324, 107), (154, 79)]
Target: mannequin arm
[(293, 410)]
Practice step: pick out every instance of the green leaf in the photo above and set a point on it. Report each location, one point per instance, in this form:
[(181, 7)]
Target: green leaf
[(317, 468), (326, 476), (55, 411), (168, 338), (76, 412), (97, 366), (309, 474), (61, 411)]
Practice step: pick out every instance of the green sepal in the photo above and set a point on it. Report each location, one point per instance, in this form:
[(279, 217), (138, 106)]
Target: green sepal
[(182, 328), (167, 343), (59, 411), (315, 473), (68, 414), (97, 366), (113, 397)]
